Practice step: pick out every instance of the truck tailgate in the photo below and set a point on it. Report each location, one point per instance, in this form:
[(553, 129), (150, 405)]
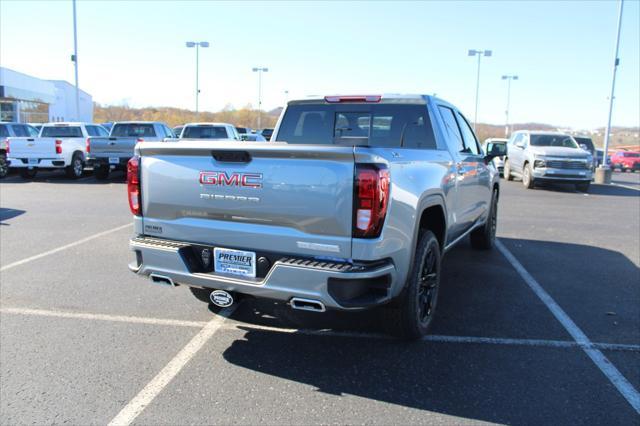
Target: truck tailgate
[(32, 147), (295, 199), (112, 146)]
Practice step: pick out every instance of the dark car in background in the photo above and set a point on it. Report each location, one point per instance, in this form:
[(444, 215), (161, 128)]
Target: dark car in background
[(266, 133)]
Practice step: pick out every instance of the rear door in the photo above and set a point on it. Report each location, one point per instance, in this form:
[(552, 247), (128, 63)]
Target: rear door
[(292, 199)]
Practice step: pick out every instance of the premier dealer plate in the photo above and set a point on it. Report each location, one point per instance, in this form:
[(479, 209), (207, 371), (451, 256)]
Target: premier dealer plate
[(234, 262)]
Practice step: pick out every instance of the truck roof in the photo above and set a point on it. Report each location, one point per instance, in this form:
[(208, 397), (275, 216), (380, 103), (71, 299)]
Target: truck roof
[(384, 98), (207, 124), (543, 132), (67, 123), (137, 122)]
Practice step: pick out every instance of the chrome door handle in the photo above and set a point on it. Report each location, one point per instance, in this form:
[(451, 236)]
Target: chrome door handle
[(459, 168)]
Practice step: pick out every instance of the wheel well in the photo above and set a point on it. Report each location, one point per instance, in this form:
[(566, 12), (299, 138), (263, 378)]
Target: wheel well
[(433, 219)]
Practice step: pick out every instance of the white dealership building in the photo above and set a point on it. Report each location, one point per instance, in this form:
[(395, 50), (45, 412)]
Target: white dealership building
[(28, 99)]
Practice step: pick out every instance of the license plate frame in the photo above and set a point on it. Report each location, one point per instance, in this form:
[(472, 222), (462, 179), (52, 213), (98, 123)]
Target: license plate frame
[(239, 263), (114, 160), (33, 161)]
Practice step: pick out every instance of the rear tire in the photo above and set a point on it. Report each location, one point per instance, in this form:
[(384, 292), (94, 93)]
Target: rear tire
[(101, 172), (506, 171), (28, 173), (4, 168), (484, 238), (527, 177), (410, 316), (583, 187), (75, 169)]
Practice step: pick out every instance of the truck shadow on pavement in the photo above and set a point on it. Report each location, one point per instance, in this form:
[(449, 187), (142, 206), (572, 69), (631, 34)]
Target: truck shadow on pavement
[(496, 383), (6, 214)]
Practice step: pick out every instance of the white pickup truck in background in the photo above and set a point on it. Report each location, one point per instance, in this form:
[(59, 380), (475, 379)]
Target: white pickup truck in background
[(60, 146)]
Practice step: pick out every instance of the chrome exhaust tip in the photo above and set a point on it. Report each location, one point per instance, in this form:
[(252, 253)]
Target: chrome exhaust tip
[(161, 279), (307, 305)]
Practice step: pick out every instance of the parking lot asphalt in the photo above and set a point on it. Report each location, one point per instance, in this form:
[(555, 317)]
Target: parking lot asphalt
[(84, 341)]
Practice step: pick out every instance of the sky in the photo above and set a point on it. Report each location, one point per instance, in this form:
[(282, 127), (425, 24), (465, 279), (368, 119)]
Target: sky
[(133, 52)]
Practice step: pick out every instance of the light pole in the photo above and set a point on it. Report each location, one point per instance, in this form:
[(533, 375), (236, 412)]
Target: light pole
[(197, 45), (506, 112), (616, 62), (74, 58), (479, 53), (286, 97), (260, 70)]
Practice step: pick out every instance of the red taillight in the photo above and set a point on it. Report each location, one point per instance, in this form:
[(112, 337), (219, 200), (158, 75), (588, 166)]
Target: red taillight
[(370, 201), (58, 146), (88, 146), (363, 98), (8, 146), (133, 186)]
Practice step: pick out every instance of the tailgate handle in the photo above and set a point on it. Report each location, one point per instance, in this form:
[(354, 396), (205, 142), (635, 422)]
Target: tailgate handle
[(231, 156), (112, 139), (30, 140)]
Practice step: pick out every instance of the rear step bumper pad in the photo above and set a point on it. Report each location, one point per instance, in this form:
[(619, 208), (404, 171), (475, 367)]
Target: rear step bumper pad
[(285, 279)]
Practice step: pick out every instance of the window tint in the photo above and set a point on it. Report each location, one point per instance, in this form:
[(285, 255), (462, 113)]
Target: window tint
[(91, 130), (33, 132), (4, 131), (553, 140), (381, 125), (102, 131), (470, 142), (61, 132), (20, 130), (204, 132), (452, 126), (169, 132), (133, 130)]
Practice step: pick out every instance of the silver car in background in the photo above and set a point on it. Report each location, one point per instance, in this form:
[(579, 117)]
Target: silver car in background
[(537, 157)]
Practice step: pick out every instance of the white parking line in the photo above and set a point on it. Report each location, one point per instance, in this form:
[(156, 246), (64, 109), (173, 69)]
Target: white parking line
[(133, 409), (103, 317), (64, 247), (626, 186), (440, 338), (625, 388)]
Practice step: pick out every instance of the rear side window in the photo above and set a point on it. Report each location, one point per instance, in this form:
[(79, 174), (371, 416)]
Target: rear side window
[(381, 125), (205, 132), (133, 130), (470, 142), (61, 132), (452, 126)]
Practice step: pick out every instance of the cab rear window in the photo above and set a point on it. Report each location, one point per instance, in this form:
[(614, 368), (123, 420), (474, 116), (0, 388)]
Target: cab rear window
[(205, 132), (61, 132), (380, 125), (133, 130)]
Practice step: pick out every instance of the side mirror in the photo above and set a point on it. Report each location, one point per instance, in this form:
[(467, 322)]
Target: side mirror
[(495, 150), (520, 144), (584, 147)]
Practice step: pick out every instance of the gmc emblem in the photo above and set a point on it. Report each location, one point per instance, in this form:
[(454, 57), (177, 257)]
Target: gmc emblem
[(247, 180)]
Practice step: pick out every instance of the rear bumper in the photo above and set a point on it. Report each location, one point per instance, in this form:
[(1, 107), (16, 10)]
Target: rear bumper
[(105, 162), (341, 286), (43, 163)]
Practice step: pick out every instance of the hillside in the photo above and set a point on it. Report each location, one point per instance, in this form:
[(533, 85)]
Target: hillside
[(248, 117)]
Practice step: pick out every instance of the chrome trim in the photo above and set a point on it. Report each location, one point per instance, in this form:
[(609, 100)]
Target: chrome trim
[(320, 305), (161, 279)]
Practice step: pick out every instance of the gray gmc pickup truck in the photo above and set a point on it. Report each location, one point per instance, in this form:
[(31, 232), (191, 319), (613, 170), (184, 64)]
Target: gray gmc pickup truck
[(350, 206)]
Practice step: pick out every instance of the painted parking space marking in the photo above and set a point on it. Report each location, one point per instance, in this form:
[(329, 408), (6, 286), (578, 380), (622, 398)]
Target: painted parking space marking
[(235, 325), (625, 388), (133, 409), (103, 317), (64, 247)]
